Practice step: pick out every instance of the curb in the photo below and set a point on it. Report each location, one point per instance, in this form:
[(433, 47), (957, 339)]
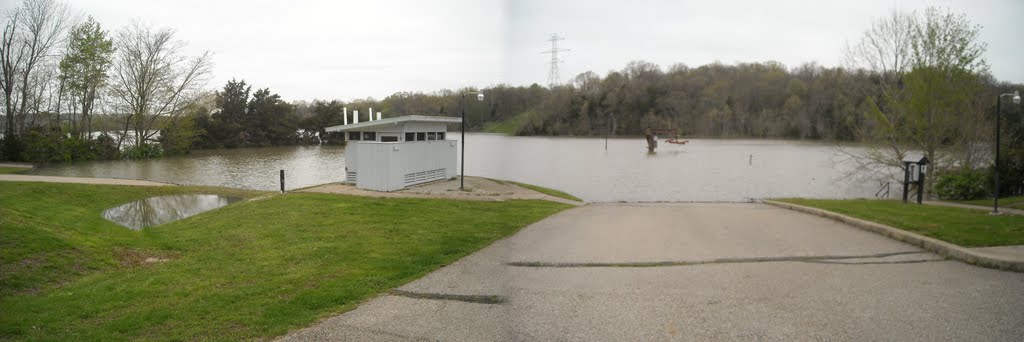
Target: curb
[(936, 246)]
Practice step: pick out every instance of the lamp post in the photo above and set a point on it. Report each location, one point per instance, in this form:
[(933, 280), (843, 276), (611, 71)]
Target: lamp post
[(999, 104), (462, 170)]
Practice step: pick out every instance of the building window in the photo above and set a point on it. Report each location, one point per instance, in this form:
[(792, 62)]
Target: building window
[(421, 136), (440, 135), (431, 136), (370, 136), (389, 138), (354, 136), (410, 136)]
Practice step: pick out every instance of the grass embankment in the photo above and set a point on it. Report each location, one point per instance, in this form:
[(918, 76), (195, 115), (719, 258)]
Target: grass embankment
[(251, 270), (11, 169), (507, 126), (1009, 202), (550, 192), (964, 227), (541, 189)]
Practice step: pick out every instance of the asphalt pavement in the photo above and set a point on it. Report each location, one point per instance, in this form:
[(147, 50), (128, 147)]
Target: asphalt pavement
[(687, 272)]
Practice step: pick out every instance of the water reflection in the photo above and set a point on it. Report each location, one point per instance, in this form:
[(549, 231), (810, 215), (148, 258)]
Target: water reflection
[(159, 210), (244, 168)]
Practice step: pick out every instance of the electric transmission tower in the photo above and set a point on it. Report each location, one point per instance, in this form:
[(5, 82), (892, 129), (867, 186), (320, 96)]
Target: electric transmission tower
[(553, 77)]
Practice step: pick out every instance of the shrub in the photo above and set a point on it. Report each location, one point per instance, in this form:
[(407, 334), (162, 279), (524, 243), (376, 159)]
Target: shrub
[(144, 151), (963, 185), (10, 149), (106, 147)]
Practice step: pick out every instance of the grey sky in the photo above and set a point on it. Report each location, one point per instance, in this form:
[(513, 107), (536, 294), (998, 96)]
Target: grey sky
[(305, 49)]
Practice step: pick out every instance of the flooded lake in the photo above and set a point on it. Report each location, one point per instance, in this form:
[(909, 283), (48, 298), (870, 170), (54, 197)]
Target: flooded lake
[(247, 168), (703, 170), (162, 209)]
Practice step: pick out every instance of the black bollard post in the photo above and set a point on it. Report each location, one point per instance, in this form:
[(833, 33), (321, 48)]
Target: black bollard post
[(282, 181), (920, 186), (906, 181)]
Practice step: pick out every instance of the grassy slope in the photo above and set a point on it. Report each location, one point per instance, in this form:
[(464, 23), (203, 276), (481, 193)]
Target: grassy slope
[(8, 169), (964, 227), (252, 269), (547, 191), (541, 189), (507, 126)]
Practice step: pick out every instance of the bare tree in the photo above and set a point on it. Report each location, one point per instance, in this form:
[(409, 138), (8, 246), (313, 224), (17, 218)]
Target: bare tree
[(42, 25), (884, 51), (152, 79), (885, 47), (10, 63)]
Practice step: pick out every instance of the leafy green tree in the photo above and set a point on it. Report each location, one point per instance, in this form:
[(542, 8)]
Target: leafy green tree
[(181, 133), (233, 101), (269, 120), (325, 114), (931, 74), (225, 127), (84, 69)]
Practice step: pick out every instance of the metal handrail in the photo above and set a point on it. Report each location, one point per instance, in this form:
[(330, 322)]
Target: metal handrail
[(885, 187)]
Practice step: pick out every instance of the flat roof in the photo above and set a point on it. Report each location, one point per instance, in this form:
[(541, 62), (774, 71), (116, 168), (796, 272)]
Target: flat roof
[(371, 125), (915, 157)]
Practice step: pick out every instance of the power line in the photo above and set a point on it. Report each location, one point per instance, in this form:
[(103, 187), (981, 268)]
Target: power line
[(553, 77)]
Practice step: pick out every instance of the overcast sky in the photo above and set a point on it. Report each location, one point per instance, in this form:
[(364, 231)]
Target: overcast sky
[(305, 49)]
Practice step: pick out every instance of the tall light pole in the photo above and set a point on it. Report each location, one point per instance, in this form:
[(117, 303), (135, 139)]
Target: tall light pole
[(462, 171), (999, 105)]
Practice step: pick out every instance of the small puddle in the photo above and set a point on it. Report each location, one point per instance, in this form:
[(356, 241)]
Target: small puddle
[(162, 209)]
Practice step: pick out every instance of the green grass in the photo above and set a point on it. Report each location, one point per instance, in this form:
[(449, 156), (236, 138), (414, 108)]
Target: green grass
[(546, 191), (1014, 202), (541, 189), (11, 169), (251, 270), (964, 227), (507, 126)]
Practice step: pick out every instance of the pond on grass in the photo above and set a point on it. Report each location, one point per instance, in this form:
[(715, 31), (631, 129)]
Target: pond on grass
[(162, 209)]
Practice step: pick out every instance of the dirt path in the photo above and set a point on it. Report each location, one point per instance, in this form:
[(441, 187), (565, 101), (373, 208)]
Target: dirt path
[(476, 189), (79, 180)]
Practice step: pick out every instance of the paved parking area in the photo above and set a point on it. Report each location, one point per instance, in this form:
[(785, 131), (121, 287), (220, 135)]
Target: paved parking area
[(683, 272)]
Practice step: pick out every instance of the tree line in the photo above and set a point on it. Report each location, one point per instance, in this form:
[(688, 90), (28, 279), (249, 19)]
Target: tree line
[(60, 71), (915, 81)]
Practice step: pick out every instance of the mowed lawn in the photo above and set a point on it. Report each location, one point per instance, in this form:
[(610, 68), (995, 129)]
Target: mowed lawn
[(1016, 202), (964, 227), (251, 270), (12, 169)]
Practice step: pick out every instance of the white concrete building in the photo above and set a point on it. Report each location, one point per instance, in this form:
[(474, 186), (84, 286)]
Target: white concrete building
[(391, 154)]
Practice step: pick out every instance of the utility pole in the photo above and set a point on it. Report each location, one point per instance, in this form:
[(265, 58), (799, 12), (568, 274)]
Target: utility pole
[(553, 77)]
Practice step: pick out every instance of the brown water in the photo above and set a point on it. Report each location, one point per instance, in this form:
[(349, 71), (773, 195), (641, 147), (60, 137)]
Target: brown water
[(159, 210), (246, 168), (703, 170)]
